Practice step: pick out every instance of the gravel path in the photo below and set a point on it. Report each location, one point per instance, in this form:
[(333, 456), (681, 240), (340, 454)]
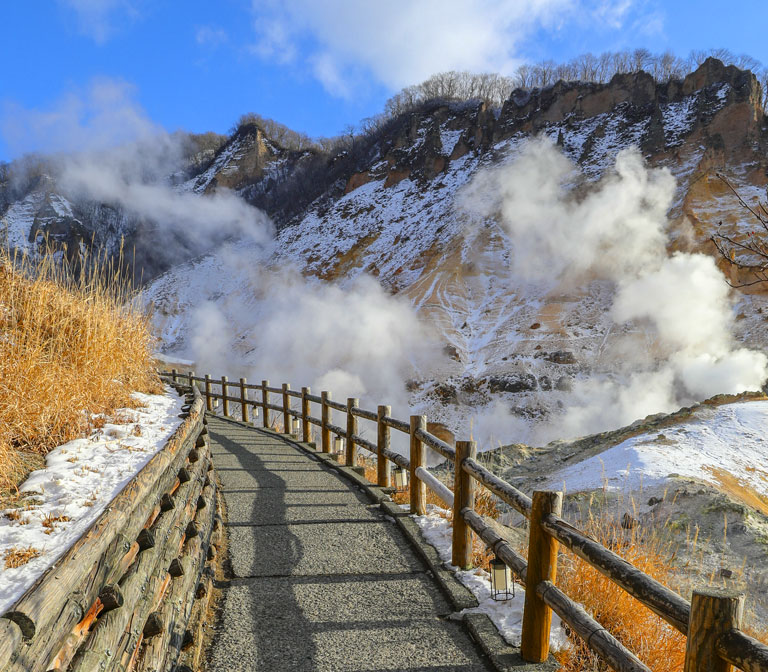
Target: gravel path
[(319, 579)]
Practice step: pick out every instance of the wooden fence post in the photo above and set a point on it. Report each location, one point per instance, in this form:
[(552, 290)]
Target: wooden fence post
[(463, 497), (243, 400), (542, 566), (351, 429), (191, 378), (264, 402), (713, 613), (208, 399), (174, 375), (383, 478), (418, 459), (305, 414), (325, 417), (224, 400), (286, 406)]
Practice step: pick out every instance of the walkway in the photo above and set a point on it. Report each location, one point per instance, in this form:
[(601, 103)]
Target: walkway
[(320, 580)]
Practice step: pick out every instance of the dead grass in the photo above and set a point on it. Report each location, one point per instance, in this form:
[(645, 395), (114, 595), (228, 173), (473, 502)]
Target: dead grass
[(17, 557), (656, 643), (71, 346)]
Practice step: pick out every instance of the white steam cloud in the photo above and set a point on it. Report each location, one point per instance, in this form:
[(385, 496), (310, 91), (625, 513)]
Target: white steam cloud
[(563, 233), (354, 340), (106, 149)]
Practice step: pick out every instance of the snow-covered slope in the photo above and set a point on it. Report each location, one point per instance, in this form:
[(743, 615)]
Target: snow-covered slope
[(510, 351)]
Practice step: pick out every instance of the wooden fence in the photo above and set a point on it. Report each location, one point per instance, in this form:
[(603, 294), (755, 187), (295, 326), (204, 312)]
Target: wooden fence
[(131, 591), (711, 621)]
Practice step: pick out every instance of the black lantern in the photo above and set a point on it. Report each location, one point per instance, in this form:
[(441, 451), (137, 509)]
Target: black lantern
[(502, 585)]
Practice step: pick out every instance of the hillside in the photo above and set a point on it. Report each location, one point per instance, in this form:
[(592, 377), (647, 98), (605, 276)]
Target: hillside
[(506, 347), (483, 313)]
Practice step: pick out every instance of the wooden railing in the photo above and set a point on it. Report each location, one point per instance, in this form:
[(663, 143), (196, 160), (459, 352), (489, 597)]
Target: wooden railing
[(128, 593), (711, 622)]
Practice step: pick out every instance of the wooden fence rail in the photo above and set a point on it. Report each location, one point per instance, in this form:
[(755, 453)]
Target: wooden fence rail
[(711, 623), (122, 595)]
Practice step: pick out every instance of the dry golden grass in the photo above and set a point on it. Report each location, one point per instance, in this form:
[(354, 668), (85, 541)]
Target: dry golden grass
[(656, 643), (16, 557), (70, 347)]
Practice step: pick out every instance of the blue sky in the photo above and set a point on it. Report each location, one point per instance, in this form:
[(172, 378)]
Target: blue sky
[(108, 69)]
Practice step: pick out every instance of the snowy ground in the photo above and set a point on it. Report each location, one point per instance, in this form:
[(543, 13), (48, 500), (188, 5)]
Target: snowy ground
[(729, 438), (506, 615), (80, 479)]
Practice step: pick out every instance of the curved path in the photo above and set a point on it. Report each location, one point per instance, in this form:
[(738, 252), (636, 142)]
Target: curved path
[(319, 578)]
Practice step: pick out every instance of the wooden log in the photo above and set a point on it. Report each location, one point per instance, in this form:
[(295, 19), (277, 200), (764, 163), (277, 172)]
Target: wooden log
[(657, 597), (153, 626), (542, 566), (325, 410), (111, 597), (145, 540), (743, 651), (383, 470), (119, 631), (499, 487), (191, 531), (437, 486), (399, 425), (286, 408), (97, 555), (76, 638), (417, 459), (483, 527), (10, 640), (208, 397), (463, 498), (713, 613), (175, 569), (438, 445), (351, 456), (163, 652), (191, 379), (305, 415), (265, 402), (399, 460), (363, 413), (337, 405), (225, 398), (174, 375), (166, 502), (598, 639), (243, 400)]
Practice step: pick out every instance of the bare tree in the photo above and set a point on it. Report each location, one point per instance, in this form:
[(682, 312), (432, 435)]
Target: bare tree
[(749, 253)]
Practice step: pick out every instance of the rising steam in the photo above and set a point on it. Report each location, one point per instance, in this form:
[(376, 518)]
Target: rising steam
[(563, 233)]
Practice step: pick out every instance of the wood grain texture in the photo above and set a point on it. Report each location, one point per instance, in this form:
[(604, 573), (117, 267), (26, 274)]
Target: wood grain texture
[(713, 613), (542, 566), (383, 440), (743, 651), (463, 499), (351, 456), (305, 427), (598, 639), (418, 458)]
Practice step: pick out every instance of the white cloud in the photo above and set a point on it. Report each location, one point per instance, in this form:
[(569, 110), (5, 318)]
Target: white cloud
[(211, 36), (98, 18), (401, 42), (104, 115)]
